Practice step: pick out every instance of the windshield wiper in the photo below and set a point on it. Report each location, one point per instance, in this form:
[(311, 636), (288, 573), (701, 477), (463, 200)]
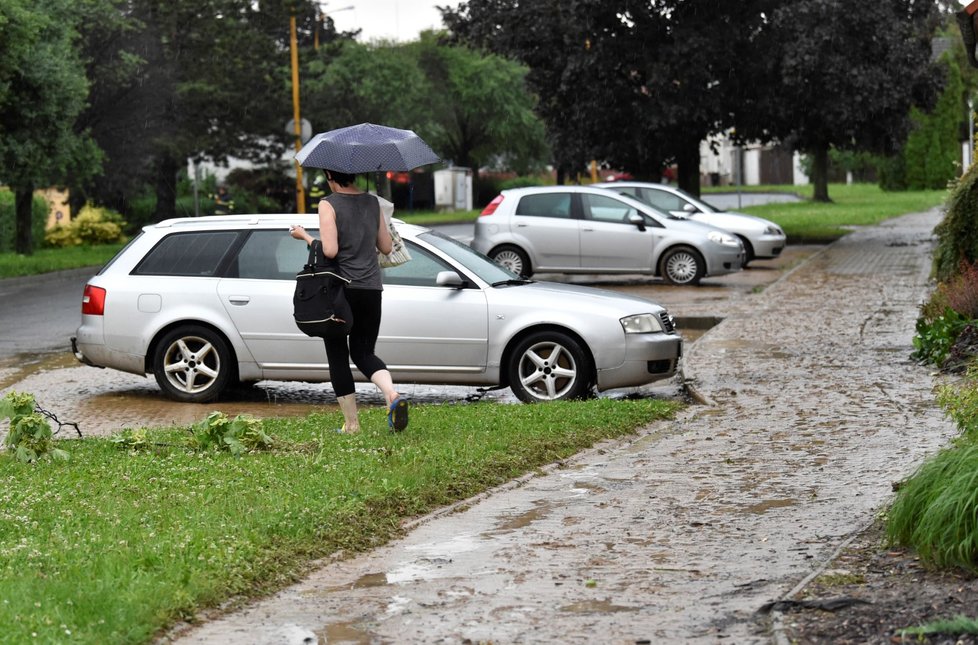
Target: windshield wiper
[(511, 282)]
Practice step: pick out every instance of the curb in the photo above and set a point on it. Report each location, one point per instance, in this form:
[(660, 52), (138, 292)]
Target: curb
[(50, 276)]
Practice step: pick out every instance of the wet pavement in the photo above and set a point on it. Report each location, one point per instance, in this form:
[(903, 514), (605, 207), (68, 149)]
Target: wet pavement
[(809, 410)]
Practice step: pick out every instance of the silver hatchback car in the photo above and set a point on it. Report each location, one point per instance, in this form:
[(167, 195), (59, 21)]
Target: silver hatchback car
[(202, 303), (762, 239), (580, 229)]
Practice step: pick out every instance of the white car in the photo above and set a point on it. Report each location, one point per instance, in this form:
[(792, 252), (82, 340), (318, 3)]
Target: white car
[(762, 238), (582, 229), (202, 303)]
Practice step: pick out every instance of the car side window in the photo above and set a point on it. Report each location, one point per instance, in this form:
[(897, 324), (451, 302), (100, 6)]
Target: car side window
[(557, 205), (662, 200), (606, 209), (270, 255), (187, 254), (420, 271)]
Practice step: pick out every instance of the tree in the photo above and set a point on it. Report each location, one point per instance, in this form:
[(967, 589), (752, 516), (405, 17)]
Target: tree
[(546, 36), (469, 107), (480, 107), (634, 83), (846, 75), (42, 91), (933, 147), (191, 80)]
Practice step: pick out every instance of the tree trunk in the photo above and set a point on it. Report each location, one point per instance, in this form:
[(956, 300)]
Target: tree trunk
[(820, 174), (561, 175), (166, 188), (688, 167), (24, 216)]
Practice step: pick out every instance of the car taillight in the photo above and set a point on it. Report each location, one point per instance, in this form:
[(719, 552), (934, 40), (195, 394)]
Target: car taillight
[(492, 206), (93, 301)]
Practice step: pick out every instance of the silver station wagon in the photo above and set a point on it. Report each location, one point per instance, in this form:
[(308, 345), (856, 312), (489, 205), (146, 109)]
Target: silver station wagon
[(581, 229), (203, 303)]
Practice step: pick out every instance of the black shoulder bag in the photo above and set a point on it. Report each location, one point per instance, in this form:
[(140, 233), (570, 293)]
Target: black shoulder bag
[(319, 304)]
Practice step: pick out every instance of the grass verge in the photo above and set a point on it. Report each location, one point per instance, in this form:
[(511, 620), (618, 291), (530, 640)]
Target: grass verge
[(113, 546), (47, 260), (809, 222)]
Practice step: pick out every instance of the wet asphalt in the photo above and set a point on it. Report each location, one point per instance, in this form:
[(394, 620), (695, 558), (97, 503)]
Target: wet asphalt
[(808, 410)]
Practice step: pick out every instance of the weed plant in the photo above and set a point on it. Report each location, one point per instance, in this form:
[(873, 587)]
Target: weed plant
[(957, 626), (936, 510), (129, 536), (951, 310)]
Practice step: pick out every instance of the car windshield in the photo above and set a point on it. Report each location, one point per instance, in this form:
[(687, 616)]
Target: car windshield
[(472, 260), (710, 208)]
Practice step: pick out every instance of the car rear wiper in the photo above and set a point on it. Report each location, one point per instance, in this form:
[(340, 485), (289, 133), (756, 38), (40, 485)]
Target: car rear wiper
[(511, 282)]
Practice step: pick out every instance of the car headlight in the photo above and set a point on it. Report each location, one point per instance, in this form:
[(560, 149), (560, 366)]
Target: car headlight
[(773, 230), (641, 324), (725, 239)]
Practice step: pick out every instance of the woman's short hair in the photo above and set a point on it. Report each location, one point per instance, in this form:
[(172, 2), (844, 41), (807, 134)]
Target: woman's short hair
[(341, 178)]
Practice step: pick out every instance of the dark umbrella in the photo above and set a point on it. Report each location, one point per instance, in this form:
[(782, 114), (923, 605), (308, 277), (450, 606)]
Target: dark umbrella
[(366, 148)]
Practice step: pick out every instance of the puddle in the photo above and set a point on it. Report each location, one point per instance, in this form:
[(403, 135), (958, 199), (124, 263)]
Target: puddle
[(344, 633), (596, 607), (766, 506), (523, 520)]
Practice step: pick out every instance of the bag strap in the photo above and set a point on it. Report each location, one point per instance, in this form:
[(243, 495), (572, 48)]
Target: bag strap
[(316, 254)]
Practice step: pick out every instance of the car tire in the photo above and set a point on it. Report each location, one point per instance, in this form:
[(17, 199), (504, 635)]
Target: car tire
[(682, 265), (748, 251), (549, 366), (513, 258), (192, 364)]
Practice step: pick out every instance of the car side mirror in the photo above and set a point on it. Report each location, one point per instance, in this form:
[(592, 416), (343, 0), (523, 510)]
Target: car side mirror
[(689, 208), (449, 279), (637, 220)]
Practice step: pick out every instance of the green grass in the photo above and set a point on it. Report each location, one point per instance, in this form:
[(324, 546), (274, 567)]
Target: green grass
[(111, 546), (811, 222), (429, 218), (936, 510), (47, 260)]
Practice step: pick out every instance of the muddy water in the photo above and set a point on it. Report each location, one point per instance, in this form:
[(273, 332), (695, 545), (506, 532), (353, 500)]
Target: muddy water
[(101, 402), (104, 401)]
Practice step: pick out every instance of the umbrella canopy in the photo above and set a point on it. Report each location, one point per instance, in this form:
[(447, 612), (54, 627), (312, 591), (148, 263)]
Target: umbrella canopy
[(366, 148)]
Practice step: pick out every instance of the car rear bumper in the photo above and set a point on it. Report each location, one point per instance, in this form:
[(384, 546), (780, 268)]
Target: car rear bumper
[(648, 358), (98, 355)]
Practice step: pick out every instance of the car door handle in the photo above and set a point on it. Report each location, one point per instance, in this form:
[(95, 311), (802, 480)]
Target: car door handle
[(587, 228), (239, 300)]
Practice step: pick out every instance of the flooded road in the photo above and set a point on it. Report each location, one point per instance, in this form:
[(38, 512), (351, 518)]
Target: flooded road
[(102, 401), (682, 533)]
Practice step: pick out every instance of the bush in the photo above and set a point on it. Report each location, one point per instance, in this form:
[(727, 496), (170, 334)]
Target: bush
[(936, 337), (92, 225), (957, 233), (8, 220), (946, 333), (936, 510)]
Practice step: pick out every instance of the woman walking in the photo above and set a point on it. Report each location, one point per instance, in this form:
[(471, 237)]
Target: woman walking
[(352, 230)]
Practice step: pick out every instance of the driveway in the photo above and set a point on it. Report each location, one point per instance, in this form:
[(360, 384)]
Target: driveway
[(810, 410)]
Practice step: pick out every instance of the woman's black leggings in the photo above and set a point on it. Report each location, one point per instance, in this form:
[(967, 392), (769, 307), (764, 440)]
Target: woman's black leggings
[(366, 307)]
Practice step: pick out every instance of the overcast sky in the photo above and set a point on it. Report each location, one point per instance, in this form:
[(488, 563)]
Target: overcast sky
[(400, 20)]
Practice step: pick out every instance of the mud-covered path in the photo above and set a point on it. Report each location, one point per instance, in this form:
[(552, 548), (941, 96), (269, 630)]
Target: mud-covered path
[(811, 410)]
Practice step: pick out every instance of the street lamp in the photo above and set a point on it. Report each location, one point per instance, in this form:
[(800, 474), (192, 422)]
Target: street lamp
[(300, 190)]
